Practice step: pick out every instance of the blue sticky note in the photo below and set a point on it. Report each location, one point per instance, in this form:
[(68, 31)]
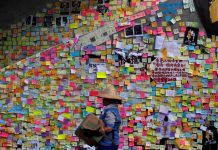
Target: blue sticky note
[(166, 86), (75, 54), (167, 18), (191, 47), (173, 84)]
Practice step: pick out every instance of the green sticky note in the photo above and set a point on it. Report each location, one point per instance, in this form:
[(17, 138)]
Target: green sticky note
[(185, 97), (150, 132), (37, 112), (131, 69), (67, 115), (184, 119), (90, 109)]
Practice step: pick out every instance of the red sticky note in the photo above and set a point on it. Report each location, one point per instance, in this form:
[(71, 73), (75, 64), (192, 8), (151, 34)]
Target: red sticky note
[(93, 93), (133, 4), (83, 13), (29, 101), (56, 40), (148, 11)]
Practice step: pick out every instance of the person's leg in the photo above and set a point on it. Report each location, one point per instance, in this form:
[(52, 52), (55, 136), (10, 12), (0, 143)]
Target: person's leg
[(101, 147), (115, 147)]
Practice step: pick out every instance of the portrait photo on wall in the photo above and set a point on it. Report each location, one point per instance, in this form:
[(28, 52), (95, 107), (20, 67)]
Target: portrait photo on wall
[(208, 13), (191, 36), (75, 6), (64, 7)]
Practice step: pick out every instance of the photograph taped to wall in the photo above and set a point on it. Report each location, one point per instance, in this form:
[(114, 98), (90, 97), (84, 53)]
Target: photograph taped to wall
[(129, 32), (29, 20), (191, 36), (75, 6), (65, 7), (134, 31), (48, 21)]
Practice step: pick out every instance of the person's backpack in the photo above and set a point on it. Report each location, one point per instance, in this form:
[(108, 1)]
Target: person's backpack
[(88, 130)]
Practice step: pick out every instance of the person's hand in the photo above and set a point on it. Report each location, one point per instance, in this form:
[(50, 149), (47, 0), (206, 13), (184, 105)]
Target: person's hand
[(101, 123), (101, 130)]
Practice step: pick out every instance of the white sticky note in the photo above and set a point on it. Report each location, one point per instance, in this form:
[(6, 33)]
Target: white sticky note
[(204, 128), (163, 109), (119, 45), (159, 42)]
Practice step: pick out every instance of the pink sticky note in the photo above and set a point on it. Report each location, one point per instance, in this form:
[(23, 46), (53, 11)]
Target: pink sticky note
[(109, 13), (185, 108), (83, 13), (154, 3), (29, 101), (106, 4), (182, 142), (133, 4), (213, 50), (210, 84), (96, 17), (139, 147), (121, 140), (144, 3), (170, 34), (186, 85), (193, 103), (145, 28), (201, 33), (148, 11), (33, 81), (37, 129), (182, 29), (131, 143), (216, 99), (102, 23), (89, 103), (72, 84), (155, 8), (154, 32), (37, 122)]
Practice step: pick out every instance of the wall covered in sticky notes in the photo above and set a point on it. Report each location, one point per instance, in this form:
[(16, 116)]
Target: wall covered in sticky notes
[(150, 54)]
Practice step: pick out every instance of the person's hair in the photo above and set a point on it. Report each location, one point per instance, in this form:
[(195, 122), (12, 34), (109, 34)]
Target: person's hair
[(112, 101), (165, 118)]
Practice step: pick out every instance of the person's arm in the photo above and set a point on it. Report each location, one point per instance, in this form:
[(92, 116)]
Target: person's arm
[(110, 119), (105, 129)]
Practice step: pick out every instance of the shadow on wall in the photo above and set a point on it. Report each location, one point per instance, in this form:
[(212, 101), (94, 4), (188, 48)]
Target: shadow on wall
[(13, 11)]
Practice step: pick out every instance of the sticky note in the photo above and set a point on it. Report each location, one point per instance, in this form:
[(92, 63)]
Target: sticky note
[(90, 109), (61, 137), (101, 75)]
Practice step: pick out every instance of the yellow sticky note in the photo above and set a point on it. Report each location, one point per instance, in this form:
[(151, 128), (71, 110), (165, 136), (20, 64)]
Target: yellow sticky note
[(184, 119), (61, 136), (47, 63), (191, 108), (90, 109), (73, 25), (184, 97), (37, 112), (101, 75), (67, 115), (131, 69)]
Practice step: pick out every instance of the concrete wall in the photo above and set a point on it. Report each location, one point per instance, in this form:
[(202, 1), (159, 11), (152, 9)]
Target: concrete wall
[(12, 11)]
